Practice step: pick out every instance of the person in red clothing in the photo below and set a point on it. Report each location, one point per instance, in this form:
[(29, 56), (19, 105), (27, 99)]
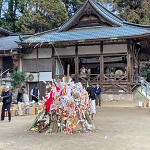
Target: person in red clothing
[(56, 90), (49, 101)]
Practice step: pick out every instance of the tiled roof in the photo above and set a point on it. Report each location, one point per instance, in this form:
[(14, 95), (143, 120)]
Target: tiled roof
[(7, 43), (121, 29), (89, 34)]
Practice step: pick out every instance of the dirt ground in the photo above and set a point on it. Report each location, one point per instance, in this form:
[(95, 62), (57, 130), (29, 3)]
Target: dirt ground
[(118, 128)]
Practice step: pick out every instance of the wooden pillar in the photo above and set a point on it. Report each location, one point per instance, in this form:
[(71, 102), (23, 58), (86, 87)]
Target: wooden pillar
[(76, 63), (132, 70), (101, 65), (128, 67), (16, 62), (136, 67), (37, 59), (53, 62)]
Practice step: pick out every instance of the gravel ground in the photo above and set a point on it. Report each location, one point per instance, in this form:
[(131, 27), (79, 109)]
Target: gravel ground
[(118, 128)]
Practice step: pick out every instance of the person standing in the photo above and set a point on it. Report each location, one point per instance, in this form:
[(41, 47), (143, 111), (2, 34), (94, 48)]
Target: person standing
[(19, 97), (83, 71), (6, 99), (26, 100), (97, 91), (35, 94), (92, 97)]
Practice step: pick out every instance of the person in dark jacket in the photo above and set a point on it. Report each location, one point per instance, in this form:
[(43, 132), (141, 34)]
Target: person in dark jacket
[(35, 94), (6, 99), (92, 96), (97, 91), (20, 96)]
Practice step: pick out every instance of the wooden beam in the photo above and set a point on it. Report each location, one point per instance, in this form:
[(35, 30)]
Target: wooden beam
[(101, 66), (9, 54), (76, 63), (128, 66), (108, 88), (37, 59), (117, 83), (91, 55), (53, 62), (133, 87)]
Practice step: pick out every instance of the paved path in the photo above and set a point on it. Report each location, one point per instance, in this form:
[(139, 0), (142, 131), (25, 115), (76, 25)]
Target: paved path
[(119, 128)]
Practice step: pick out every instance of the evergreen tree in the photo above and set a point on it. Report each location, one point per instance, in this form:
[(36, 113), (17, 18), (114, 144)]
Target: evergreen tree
[(1, 2), (40, 15), (8, 14), (31, 16), (73, 5), (135, 11)]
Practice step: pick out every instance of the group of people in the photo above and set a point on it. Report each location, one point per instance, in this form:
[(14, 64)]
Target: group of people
[(84, 71), (22, 96)]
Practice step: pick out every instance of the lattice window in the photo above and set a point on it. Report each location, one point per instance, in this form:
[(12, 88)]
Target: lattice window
[(36, 65), (45, 64), (30, 65)]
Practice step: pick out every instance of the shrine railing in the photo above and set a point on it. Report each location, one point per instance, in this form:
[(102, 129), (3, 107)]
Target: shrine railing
[(94, 78), (89, 77), (61, 76), (113, 77), (145, 87)]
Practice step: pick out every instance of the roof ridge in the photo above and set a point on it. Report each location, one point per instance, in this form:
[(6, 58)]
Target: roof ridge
[(109, 13), (72, 17), (99, 8)]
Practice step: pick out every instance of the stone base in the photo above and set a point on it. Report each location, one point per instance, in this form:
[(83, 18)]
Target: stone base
[(117, 97)]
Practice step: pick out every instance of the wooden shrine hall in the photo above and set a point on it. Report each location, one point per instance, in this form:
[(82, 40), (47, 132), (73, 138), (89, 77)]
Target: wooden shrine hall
[(104, 44)]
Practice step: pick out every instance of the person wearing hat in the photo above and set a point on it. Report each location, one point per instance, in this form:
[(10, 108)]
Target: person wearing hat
[(6, 99)]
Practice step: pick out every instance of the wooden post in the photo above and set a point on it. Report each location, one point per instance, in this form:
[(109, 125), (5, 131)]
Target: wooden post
[(37, 59), (128, 67), (53, 63), (136, 65), (68, 70), (68, 73), (101, 66), (76, 63), (132, 69)]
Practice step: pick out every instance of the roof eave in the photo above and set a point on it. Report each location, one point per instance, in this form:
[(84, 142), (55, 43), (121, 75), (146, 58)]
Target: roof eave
[(137, 25), (39, 44), (6, 31)]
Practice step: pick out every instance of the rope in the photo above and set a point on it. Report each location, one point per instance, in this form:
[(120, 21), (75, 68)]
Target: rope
[(58, 58), (56, 54)]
